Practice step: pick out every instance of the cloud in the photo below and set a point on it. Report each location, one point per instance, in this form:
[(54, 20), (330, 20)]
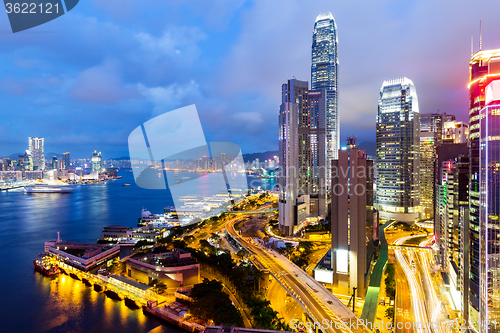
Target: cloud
[(248, 117), (23, 86), (102, 84), (168, 98), (118, 60), (378, 40)]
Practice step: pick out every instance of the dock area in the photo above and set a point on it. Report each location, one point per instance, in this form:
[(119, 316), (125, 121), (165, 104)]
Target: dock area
[(163, 313), (11, 186), (122, 288)]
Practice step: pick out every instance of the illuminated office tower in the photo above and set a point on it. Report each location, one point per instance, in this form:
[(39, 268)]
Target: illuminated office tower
[(352, 219), (96, 161), (431, 137), (37, 160), (434, 123), (302, 155), (427, 159), (455, 132), (453, 202), (484, 198), (65, 161), (324, 76), (398, 151), (54, 163)]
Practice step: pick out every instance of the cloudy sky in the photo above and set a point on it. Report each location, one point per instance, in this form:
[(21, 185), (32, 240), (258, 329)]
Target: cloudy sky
[(86, 80)]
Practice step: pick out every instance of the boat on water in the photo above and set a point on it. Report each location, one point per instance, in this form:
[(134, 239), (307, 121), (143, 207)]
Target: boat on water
[(48, 188), (44, 265), (126, 184)]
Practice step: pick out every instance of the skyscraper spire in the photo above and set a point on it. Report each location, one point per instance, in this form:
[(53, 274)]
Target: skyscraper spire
[(324, 69), (480, 35)]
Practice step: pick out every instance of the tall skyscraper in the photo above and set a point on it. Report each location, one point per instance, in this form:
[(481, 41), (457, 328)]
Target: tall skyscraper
[(352, 219), (96, 161), (54, 162), (324, 76), (428, 156), (37, 160), (484, 198), (398, 151), (453, 194), (65, 159), (431, 136), (302, 155)]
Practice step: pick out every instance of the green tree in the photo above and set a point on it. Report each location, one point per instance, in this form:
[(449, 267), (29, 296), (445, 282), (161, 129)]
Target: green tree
[(242, 254), (158, 286), (179, 244), (307, 246), (142, 243), (188, 239), (166, 240), (301, 261), (211, 303), (390, 270), (264, 317), (206, 247), (389, 313)]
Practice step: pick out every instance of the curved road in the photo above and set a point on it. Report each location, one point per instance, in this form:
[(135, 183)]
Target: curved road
[(303, 287)]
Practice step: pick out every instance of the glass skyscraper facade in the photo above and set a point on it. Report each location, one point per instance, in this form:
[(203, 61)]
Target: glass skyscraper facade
[(324, 76), (398, 151), (96, 161), (66, 162), (431, 137), (484, 283), (36, 157), (302, 150)]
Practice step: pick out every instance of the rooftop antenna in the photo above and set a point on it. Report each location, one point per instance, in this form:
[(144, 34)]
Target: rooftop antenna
[(58, 238), (480, 35), (471, 45)]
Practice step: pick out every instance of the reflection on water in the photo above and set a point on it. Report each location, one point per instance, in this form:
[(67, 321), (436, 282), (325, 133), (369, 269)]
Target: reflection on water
[(73, 307), (32, 302)]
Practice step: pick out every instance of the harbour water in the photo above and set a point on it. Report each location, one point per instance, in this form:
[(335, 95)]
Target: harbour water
[(34, 303)]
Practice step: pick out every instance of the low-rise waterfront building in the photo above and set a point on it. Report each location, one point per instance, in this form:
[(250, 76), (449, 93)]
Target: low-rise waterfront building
[(115, 233), (175, 268), (82, 255)]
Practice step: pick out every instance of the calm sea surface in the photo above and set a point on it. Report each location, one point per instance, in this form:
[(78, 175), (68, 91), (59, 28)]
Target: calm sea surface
[(31, 302)]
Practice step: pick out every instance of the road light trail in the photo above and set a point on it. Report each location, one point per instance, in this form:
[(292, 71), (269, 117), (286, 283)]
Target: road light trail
[(291, 277), (419, 311)]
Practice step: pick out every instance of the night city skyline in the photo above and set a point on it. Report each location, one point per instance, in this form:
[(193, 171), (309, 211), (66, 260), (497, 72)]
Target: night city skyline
[(235, 166), (123, 65)]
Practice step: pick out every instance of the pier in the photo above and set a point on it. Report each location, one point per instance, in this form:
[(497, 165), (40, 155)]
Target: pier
[(12, 186), (162, 313), (130, 291)]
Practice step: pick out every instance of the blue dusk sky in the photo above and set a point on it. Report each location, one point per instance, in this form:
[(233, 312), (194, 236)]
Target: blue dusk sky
[(86, 80)]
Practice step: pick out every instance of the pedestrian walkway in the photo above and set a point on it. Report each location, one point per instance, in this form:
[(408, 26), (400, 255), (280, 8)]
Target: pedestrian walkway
[(371, 301)]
